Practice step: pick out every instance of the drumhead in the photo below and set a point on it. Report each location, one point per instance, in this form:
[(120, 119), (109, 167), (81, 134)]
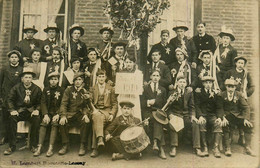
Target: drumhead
[(131, 133)]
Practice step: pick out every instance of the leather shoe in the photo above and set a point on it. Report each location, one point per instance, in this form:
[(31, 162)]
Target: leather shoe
[(155, 145), (172, 153), (162, 153), (82, 150), (49, 152), (38, 151), (198, 152), (117, 156), (228, 152), (100, 142), (94, 153), (205, 152), (249, 151), (216, 152), (9, 151), (63, 149)]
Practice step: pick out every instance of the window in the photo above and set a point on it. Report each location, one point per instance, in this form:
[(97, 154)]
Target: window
[(42, 13), (180, 12)]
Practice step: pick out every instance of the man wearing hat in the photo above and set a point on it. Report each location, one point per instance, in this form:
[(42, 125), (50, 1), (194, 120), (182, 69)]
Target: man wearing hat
[(184, 42), (225, 53), (165, 76), (167, 52), (182, 106), (28, 43), (9, 77), (236, 112), (24, 102), (77, 48), (182, 68), (105, 45), (209, 113), (50, 106), (52, 40), (74, 111), (105, 103), (203, 41), (244, 84), (119, 124), (154, 97)]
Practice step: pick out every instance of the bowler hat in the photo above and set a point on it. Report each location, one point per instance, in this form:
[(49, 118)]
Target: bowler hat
[(126, 103), (185, 28), (76, 27), (27, 70), (25, 29), (160, 116), (106, 28)]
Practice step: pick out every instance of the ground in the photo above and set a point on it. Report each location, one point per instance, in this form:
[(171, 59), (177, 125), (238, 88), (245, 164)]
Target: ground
[(184, 158)]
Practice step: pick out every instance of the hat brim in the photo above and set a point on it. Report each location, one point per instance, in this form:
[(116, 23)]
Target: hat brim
[(203, 80), (164, 122), (51, 28), (14, 52), (49, 77), (106, 29), (232, 37), (27, 29), (119, 44), (24, 73), (77, 28), (185, 28), (128, 104), (238, 58)]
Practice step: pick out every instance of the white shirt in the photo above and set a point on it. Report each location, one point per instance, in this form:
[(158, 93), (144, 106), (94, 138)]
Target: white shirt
[(230, 96), (152, 86), (181, 91), (101, 88), (156, 65)]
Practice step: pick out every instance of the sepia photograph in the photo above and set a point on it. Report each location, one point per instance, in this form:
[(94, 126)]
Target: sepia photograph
[(129, 83)]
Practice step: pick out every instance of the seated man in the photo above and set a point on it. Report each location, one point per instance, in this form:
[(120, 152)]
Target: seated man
[(182, 106), (209, 113), (74, 112), (236, 112), (114, 130), (154, 96), (105, 109), (24, 103), (50, 106)]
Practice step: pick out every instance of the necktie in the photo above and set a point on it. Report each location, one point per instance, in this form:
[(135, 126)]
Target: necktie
[(154, 89), (154, 66)]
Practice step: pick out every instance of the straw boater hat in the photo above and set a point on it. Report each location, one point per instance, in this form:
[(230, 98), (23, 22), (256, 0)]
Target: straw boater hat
[(25, 29), (79, 74), (207, 78), (76, 27), (14, 52), (53, 74), (184, 27), (106, 27), (27, 70), (52, 26), (230, 82), (240, 57), (227, 32), (160, 116), (126, 103)]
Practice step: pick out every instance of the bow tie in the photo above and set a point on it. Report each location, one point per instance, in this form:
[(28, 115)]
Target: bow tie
[(92, 63)]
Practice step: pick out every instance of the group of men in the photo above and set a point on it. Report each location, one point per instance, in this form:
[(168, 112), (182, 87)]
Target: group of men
[(191, 85)]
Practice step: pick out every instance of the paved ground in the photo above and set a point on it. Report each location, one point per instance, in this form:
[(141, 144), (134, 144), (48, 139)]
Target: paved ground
[(184, 158)]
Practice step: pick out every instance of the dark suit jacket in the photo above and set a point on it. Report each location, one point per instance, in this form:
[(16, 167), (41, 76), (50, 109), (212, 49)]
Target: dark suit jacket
[(165, 80), (228, 62), (184, 106), (191, 48), (118, 125), (238, 106), (207, 106), (81, 51), (207, 42), (160, 100), (110, 99), (47, 47), (9, 77), (167, 53)]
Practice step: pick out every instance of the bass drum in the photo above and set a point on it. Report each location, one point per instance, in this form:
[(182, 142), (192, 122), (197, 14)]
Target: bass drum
[(134, 139)]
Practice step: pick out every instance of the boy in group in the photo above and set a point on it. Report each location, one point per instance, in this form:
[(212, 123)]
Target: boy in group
[(165, 76), (74, 111), (182, 107), (236, 112), (9, 77), (120, 123), (50, 106), (105, 103), (26, 45), (24, 102), (209, 113), (154, 96), (166, 50)]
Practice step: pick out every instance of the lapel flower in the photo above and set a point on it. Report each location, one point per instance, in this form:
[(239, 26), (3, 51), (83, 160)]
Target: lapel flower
[(159, 91), (235, 99), (57, 95), (238, 80), (74, 94), (107, 92), (28, 92), (79, 46), (168, 50), (32, 46), (211, 94)]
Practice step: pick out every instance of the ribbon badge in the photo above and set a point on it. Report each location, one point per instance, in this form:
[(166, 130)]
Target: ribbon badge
[(79, 46), (168, 50), (47, 49), (32, 46), (57, 95), (27, 96), (74, 94)]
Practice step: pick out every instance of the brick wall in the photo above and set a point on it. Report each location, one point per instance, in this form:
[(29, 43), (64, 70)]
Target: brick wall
[(5, 34), (241, 16)]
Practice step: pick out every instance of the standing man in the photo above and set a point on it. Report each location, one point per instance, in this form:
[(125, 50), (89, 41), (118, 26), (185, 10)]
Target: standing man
[(184, 42), (28, 43), (166, 50), (202, 40), (9, 77), (74, 112), (24, 103)]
